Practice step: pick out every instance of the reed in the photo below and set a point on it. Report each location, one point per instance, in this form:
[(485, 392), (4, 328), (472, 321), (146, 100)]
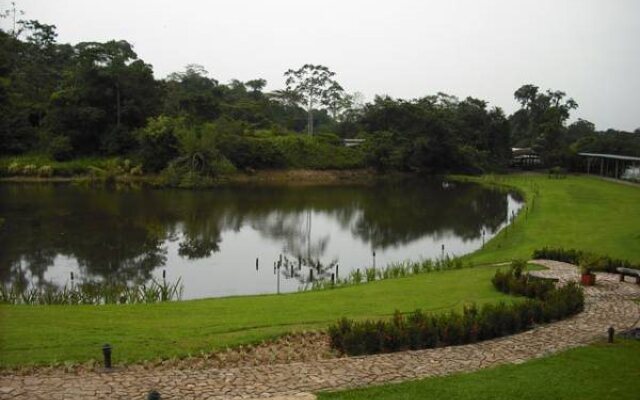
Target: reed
[(92, 293), (394, 270)]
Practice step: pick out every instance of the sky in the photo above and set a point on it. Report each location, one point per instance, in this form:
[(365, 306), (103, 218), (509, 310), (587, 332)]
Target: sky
[(589, 49)]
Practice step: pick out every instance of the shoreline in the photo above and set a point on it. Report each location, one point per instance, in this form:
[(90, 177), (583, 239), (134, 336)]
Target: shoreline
[(289, 177)]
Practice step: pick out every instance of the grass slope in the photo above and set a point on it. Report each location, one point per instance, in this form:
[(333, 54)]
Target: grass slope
[(43, 334), (579, 212), (599, 371)]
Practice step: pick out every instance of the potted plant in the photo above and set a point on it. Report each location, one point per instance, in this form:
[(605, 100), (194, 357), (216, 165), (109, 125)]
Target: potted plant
[(587, 278)]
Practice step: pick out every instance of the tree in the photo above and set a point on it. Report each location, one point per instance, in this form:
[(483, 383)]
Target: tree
[(314, 85), (540, 122), (256, 85), (106, 93), (193, 94), (12, 13)]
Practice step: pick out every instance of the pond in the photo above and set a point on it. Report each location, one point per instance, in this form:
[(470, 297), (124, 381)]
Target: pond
[(212, 239)]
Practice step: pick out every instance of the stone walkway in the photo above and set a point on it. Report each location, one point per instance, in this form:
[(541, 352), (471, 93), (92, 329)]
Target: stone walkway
[(609, 303)]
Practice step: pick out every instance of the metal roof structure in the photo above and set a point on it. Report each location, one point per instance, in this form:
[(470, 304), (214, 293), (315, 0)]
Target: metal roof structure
[(610, 156)]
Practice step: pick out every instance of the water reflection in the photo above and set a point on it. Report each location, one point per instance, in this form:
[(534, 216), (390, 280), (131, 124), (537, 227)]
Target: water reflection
[(211, 238)]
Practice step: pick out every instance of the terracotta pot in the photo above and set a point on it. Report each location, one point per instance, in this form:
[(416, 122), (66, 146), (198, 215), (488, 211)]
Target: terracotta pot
[(588, 279)]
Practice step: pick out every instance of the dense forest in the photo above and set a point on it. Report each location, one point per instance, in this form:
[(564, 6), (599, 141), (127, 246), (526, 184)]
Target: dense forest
[(66, 102)]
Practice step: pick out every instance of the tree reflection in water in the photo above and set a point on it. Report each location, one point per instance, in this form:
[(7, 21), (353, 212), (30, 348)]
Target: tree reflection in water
[(124, 234)]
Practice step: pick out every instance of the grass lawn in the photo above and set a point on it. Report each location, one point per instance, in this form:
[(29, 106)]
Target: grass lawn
[(599, 371), (580, 212), (43, 334)]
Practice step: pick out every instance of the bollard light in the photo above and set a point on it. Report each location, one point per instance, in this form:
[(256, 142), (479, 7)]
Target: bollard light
[(153, 395), (106, 353), (611, 332)]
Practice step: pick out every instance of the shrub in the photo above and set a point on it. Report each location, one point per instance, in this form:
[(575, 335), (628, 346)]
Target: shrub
[(14, 168), (557, 172), (136, 171), (584, 259), (158, 142), (356, 276), (515, 282), (370, 274), (419, 330), (30, 170), (60, 148), (46, 171)]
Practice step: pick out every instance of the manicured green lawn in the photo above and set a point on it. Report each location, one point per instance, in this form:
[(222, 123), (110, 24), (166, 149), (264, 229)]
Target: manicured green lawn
[(579, 212), (41, 334), (597, 372)]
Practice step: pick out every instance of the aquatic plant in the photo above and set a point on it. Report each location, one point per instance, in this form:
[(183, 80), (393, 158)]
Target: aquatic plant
[(393, 270), (92, 293)]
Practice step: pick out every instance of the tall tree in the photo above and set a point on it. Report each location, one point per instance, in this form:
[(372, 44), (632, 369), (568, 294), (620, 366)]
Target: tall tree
[(314, 85), (540, 122), (106, 93), (193, 94)]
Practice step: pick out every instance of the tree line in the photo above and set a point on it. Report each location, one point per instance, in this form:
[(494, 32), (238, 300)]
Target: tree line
[(101, 99)]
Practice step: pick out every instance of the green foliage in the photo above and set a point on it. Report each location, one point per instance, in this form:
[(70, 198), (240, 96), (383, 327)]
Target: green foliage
[(392, 271), (382, 153), (45, 166), (158, 143), (46, 171), (514, 282), (309, 152), (60, 148), (435, 134), (99, 98), (423, 330), (92, 293), (557, 173), (609, 142), (313, 86), (594, 262)]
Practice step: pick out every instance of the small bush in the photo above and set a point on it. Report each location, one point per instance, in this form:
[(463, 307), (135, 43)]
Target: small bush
[(136, 171), (584, 259), (370, 274), (356, 276), (30, 170), (46, 171), (14, 168), (60, 148)]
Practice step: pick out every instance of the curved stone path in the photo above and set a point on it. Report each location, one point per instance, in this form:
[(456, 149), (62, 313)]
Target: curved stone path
[(609, 303)]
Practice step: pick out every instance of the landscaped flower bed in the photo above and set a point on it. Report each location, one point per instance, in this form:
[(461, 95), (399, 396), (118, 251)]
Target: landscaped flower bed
[(419, 330)]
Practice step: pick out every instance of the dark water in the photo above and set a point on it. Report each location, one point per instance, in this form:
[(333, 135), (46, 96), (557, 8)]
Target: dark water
[(211, 239)]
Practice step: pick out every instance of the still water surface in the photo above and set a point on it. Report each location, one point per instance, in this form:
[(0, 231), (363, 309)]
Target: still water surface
[(211, 239)]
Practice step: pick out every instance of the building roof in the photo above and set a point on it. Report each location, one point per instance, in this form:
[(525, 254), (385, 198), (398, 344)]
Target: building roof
[(611, 156)]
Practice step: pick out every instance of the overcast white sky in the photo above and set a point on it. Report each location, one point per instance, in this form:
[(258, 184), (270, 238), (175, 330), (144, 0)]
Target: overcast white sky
[(482, 48)]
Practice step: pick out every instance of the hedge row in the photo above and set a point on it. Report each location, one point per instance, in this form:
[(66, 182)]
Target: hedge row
[(585, 259), (420, 330), (516, 282)]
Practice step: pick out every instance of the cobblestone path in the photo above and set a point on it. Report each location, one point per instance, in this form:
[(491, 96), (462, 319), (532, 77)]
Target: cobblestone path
[(609, 303)]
